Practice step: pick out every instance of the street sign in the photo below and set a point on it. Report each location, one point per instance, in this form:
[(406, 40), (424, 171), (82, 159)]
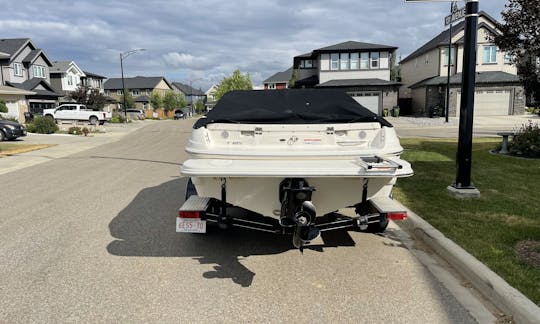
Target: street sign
[(457, 14)]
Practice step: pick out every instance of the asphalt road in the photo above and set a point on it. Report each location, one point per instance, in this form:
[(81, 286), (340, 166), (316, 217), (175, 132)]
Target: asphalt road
[(91, 238)]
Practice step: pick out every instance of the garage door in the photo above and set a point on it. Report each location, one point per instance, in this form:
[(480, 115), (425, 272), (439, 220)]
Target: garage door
[(489, 103), (370, 100)]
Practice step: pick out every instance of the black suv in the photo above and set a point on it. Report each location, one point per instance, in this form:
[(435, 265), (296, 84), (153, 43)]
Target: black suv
[(179, 114), (10, 130)]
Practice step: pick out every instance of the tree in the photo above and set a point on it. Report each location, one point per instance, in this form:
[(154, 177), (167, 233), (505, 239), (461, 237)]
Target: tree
[(199, 107), (236, 81), (92, 98), (520, 38), (3, 106), (173, 100), (156, 101), (294, 78), (130, 102)]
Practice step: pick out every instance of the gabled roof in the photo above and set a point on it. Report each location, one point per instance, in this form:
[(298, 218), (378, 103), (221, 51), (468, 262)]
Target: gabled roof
[(138, 82), (34, 54), (31, 85), (280, 77), (13, 45), (357, 82), (354, 46), (187, 90), (443, 38), (480, 78)]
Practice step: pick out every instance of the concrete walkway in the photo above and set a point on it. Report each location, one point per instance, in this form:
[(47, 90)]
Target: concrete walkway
[(503, 122), (65, 145)]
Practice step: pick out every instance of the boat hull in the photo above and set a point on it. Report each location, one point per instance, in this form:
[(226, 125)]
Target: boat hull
[(261, 194)]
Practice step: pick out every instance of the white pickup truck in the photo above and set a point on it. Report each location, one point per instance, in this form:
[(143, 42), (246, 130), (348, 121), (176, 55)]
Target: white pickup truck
[(77, 112)]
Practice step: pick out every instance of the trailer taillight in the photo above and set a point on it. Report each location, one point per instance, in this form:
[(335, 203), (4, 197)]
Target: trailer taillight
[(397, 216), (189, 214)]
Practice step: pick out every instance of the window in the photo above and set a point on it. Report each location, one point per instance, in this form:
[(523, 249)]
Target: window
[(271, 86), (344, 61), (334, 61), (308, 64), (135, 92), (354, 61), (39, 71), (119, 92), (17, 69), (364, 60), (107, 93), (426, 59), (147, 92), (375, 60), (508, 59), (70, 79), (452, 54), (490, 54)]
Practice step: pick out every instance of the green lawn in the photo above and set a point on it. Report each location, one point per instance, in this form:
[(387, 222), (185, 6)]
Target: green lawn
[(489, 227)]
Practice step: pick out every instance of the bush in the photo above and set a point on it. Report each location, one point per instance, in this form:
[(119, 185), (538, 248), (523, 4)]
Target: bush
[(526, 142), (42, 125), (75, 130)]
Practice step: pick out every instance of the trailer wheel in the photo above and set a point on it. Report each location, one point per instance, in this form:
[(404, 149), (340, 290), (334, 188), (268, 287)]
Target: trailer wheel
[(190, 189), (378, 227)]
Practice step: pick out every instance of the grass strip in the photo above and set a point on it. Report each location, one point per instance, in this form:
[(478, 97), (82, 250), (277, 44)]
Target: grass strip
[(7, 149), (492, 227)]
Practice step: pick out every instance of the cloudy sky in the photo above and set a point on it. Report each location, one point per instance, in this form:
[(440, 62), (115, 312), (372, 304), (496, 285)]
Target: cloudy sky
[(205, 40)]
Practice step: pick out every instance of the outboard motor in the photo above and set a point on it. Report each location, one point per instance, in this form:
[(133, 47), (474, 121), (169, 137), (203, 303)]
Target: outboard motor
[(297, 210)]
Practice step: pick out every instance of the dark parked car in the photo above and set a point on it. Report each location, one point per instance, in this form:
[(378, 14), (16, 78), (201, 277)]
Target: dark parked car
[(178, 114), (10, 130)]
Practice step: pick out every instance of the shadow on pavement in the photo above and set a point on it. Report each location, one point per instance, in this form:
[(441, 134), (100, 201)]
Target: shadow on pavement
[(146, 227)]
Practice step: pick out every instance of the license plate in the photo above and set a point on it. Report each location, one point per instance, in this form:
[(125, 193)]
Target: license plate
[(190, 225)]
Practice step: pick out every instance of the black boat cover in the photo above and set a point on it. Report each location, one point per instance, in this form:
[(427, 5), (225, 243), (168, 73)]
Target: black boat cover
[(289, 106)]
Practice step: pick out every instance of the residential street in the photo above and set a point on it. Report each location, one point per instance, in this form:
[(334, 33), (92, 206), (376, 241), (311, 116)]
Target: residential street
[(91, 237)]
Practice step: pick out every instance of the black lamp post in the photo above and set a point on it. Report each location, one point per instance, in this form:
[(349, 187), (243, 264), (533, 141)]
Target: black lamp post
[(123, 56)]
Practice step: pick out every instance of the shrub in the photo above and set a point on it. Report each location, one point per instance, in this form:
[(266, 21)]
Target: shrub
[(526, 142), (42, 125), (85, 131), (75, 130)]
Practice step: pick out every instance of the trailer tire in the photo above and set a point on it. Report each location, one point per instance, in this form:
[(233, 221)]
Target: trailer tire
[(378, 227)]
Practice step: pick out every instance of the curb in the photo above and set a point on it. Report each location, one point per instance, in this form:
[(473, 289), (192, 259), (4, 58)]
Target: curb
[(487, 282)]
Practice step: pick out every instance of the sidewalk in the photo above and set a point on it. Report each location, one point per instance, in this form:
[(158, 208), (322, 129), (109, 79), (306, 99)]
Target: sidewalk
[(65, 145), (502, 122)]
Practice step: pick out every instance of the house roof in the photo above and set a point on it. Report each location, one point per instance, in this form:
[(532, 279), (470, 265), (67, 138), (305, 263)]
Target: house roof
[(60, 66), (143, 98), (354, 46), (357, 82), (93, 75), (480, 78), (33, 55), (284, 76), (30, 85), (7, 90), (187, 90), (13, 45), (443, 38), (138, 82)]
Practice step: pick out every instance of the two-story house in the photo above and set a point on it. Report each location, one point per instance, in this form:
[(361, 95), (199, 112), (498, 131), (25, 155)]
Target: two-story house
[(65, 76), (191, 94), (424, 74), (279, 80), (26, 67), (360, 69), (139, 87), (93, 81)]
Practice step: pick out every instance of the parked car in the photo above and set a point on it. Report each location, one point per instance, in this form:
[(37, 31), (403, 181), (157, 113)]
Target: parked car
[(10, 130), (77, 112), (135, 114), (179, 114)]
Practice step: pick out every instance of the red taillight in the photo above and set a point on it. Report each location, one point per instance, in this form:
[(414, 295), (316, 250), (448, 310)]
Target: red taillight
[(397, 216), (188, 214)]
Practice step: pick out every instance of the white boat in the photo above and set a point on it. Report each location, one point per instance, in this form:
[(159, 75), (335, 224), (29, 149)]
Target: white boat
[(296, 155)]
